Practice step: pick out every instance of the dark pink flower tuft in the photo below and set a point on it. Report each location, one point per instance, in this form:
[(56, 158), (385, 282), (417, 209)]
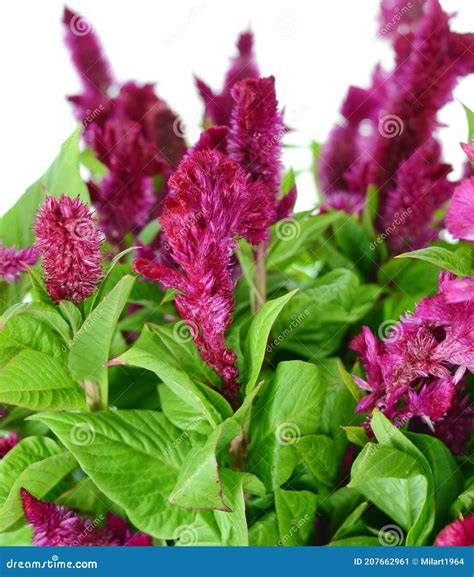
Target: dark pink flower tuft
[(459, 533), (417, 371), (212, 203), (57, 526), (218, 107), (460, 216), (69, 243), (256, 132), (214, 138), (7, 443), (12, 262), (92, 66)]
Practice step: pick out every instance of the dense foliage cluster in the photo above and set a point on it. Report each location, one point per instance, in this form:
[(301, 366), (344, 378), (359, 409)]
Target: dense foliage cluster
[(186, 360)]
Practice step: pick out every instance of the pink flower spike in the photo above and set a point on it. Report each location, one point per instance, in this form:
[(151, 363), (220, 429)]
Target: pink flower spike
[(13, 261), (460, 216), (7, 443), (69, 243), (57, 526)]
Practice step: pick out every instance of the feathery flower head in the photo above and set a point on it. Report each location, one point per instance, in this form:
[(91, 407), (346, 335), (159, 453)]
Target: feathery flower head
[(124, 198), (69, 243), (93, 68), (12, 262), (256, 132), (212, 202), (459, 533), (460, 215), (218, 107), (56, 526), (7, 443), (417, 371)]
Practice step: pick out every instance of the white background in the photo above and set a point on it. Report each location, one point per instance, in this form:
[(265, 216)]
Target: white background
[(315, 48)]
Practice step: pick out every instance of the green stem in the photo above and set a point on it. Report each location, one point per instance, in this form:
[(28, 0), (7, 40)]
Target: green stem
[(260, 275)]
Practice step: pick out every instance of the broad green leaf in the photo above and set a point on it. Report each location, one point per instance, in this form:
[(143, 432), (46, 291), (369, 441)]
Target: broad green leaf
[(442, 258), (233, 525), (470, 122), (264, 532), (62, 177), (25, 332), (291, 237), (348, 525), (148, 353), (370, 211), (90, 348), (289, 407), (354, 242), (256, 341), (356, 435), (22, 537), (464, 503), (40, 294), (199, 484), (88, 159), (37, 381), (317, 452), (447, 476), (349, 382), (295, 513), (36, 464), (72, 314), (393, 481), (43, 312), (86, 498), (133, 457)]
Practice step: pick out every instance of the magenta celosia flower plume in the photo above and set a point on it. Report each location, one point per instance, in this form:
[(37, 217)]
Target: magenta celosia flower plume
[(212, 202), (93, 68), (218, 107), (13, 261), (417, 372), (70, 245), (400, 110), (256, 133), (57, 526), (459, 533), (7, 443), (460, 215)]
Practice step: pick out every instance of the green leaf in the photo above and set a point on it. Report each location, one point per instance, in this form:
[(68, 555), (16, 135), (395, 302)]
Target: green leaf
[(43, 312), (72, 314), (393, 481), (349, 382), (370, 211), (89, 350), (259, 331), (264, 532), (317, 452), (442, 258), (88, 159), (289, 407), (62, 177), (356, 435), (37, 464), (133, 457), (192, 405), (470, 122), (36, 381), (362, 541), (291, 237), (295, 513), (199, 484), (22, 537), (40, 293), (350, 521), (448, 480)]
